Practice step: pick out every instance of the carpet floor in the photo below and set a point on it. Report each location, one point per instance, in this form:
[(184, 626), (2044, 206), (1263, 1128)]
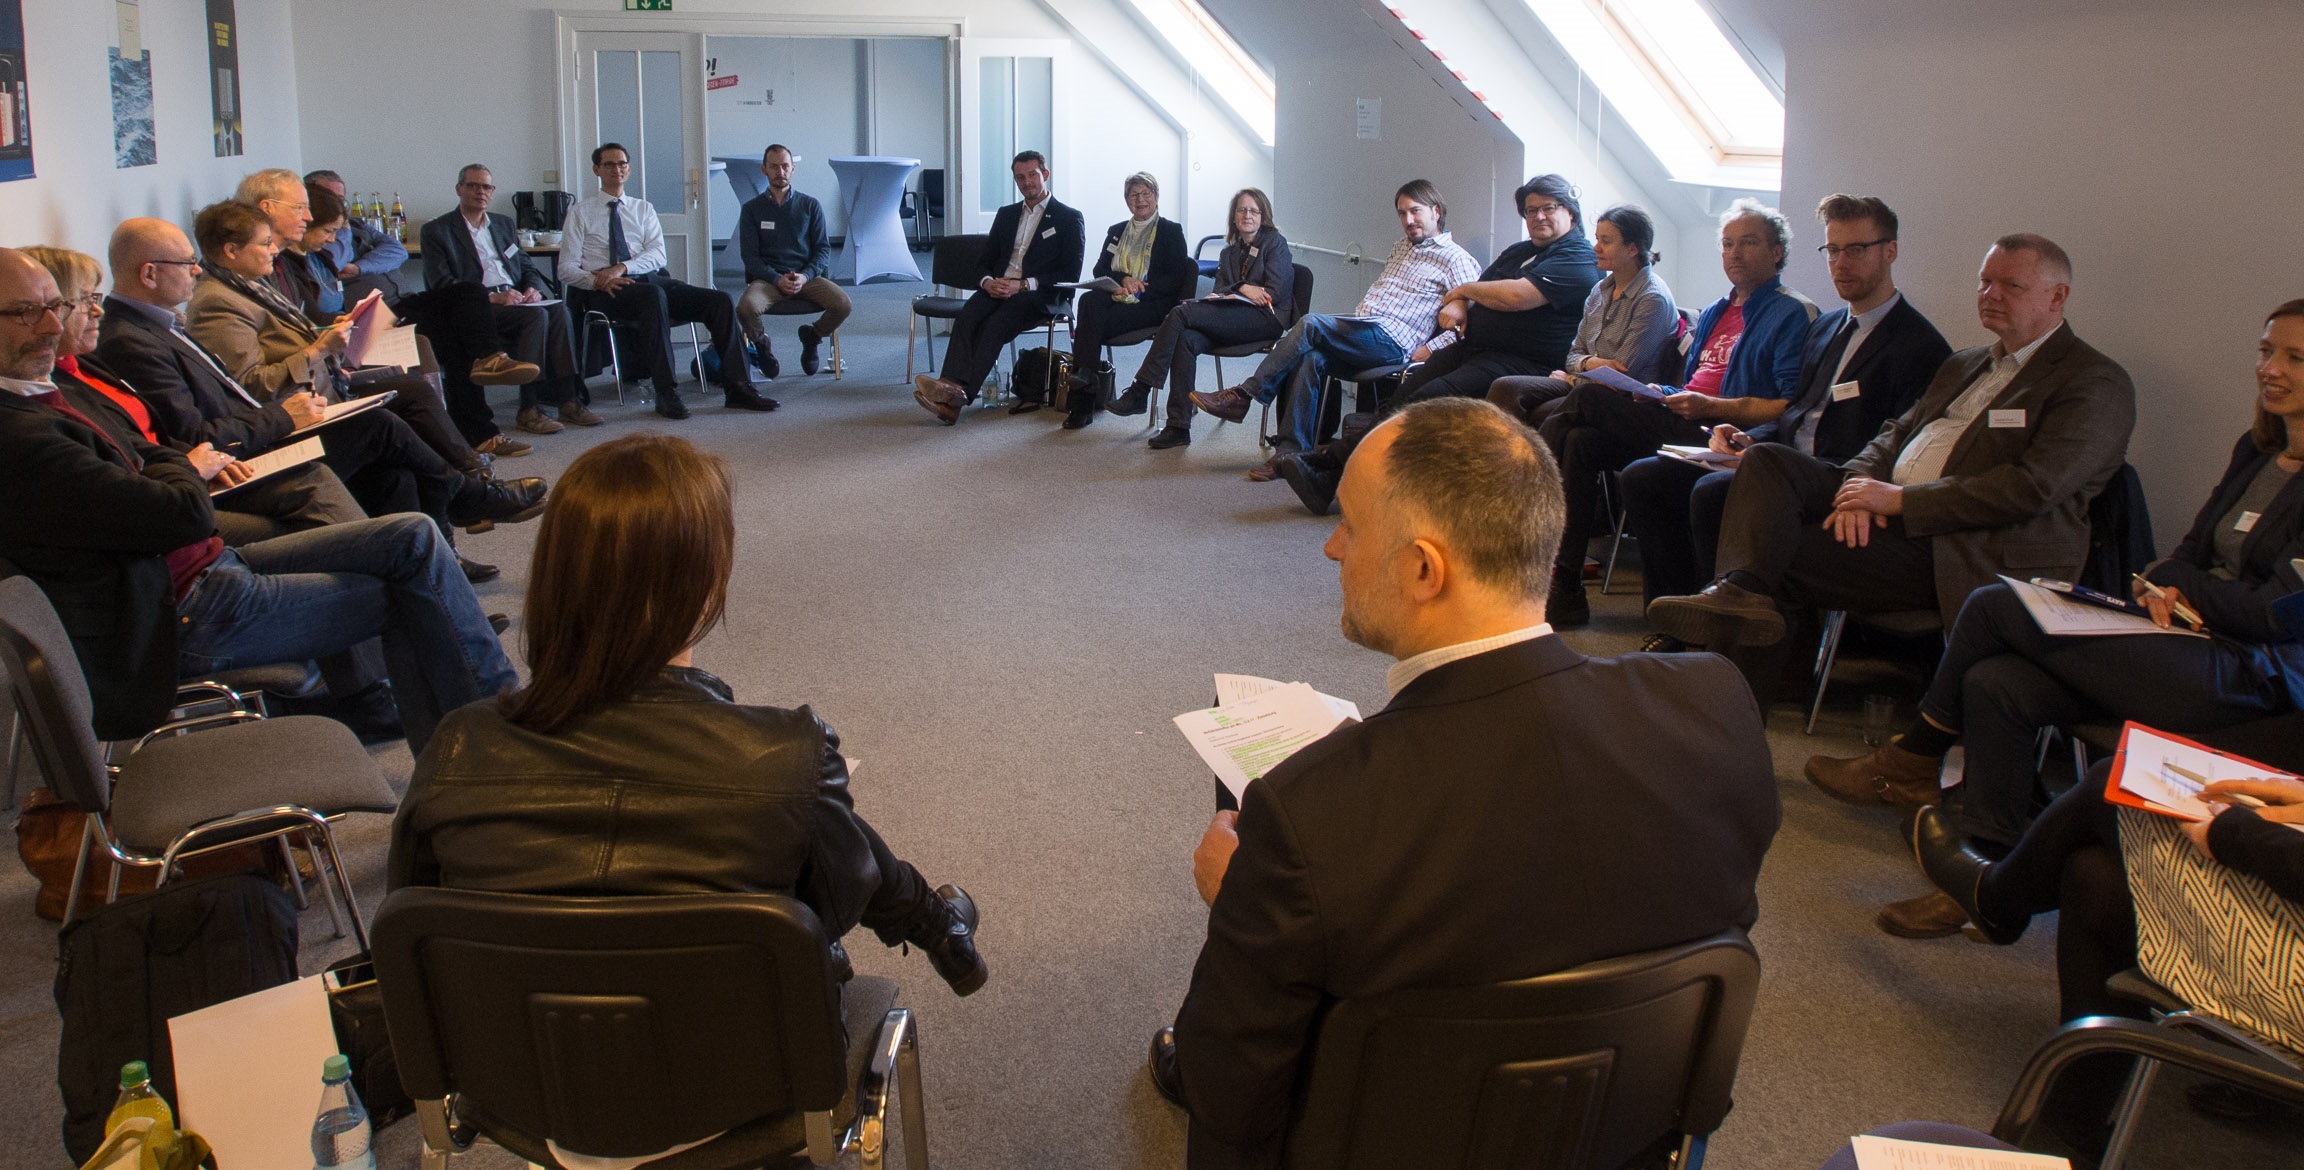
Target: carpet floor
[(1000, 618)]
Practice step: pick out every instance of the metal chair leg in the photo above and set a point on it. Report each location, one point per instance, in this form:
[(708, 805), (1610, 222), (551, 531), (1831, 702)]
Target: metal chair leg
[(1608, 494), (296, 882), (837, 368), (911, 1102), (911, 331), (2126, 1114), (80, 868), (1827, 648)]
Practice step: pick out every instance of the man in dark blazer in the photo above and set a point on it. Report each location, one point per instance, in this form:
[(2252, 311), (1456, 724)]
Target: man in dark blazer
[(1860, 366), (1990, 472), (530, 329), (1505, 816), (1035, 244)]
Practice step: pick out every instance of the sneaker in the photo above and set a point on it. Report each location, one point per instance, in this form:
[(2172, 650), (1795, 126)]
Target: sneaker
[(498, 369), (577, 414), (503, 446), (1170, 437), (532, 420), (809, 339)]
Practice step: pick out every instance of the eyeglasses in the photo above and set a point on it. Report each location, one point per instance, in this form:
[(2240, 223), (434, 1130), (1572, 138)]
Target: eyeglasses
[(28, 316), (1852, 251), (486, 187), (288, 205), (615, 164), (1543, 209)]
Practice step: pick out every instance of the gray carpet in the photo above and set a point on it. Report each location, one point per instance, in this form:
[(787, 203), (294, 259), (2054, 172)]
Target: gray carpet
[(1000, 618)]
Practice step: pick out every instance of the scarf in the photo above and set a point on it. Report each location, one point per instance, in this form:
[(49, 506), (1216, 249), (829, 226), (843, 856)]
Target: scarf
[(1134, 254)]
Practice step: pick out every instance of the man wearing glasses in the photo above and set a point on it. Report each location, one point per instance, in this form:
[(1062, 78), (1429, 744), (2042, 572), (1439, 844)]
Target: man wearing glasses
[(1520, 317), (1746, 350), (612, 259), (475, 248), (1860, 366)]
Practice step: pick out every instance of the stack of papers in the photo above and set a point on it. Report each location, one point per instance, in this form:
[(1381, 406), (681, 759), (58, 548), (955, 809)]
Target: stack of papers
[(2163, 773), (1879, 1153), (1701, 455), (1257, 723), (377, 338)]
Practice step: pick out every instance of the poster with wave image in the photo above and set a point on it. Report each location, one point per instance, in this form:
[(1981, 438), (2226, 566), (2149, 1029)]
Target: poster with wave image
[(133, 144)]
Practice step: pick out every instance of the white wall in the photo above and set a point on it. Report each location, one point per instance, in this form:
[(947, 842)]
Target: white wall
[(495, 101), (2154, 146), (77, 196)]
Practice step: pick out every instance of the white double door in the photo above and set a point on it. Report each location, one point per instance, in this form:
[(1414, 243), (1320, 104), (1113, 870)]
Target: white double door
[(646, 92)]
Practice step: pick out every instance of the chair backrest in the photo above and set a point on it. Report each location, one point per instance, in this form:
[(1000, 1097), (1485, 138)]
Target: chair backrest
[(932, 191), (954, 262), (1303, 291), (1581, 1068), (51, 696), (2119, 534), (613, 1026)]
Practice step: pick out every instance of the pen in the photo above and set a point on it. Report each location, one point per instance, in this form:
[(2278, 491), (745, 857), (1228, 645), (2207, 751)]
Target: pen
[(1735, 442), (2182, 610)]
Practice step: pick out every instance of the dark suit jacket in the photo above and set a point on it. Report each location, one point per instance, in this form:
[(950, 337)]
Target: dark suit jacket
[(1505, 816), (94, 533), (2013, 499), (1172, 277), (1893, 366), (1266, 263), (450, 259), (2241, 608), (1053, 255), (192, 403)]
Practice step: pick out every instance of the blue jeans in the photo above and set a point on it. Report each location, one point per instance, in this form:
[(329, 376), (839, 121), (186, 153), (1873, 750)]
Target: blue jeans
[(1318, 343), (313, 593)]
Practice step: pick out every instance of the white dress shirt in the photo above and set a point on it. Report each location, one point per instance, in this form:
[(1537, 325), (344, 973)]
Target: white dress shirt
[(1866, 322), (27, 389), (1027, 225), (1923, 459), (584, 247), (492, 273), (1407, 670)]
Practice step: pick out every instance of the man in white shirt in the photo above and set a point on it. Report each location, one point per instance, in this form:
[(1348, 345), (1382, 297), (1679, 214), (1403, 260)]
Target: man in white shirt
[(612, 259), (1035, 245), (1991, 472)]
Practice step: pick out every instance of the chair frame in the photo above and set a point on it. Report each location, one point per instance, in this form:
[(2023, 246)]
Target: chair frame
[(2186, 1039), (608, 326), (1834, 623), (839, 367), (912, 326)]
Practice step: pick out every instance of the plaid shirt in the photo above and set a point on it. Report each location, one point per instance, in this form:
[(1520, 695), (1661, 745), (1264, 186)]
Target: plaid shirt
[(1406, 295)]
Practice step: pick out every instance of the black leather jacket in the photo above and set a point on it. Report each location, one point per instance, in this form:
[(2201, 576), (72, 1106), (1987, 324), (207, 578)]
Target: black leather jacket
[(678, 790)]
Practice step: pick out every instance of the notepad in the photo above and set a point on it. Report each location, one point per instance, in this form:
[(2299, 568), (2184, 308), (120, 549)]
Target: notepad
[(1100, 284), (339, 411), (248, 1074), (2065, 616), (1879, 1153), (1706, 456), (273, 462), (2163, 773)]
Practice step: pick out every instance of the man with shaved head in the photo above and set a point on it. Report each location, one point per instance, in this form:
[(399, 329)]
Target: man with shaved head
[(122, 539), (1504, 816)]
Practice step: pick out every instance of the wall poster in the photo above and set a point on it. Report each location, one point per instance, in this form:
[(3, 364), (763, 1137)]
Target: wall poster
[(15, 107), (132, 141), (224, 76)]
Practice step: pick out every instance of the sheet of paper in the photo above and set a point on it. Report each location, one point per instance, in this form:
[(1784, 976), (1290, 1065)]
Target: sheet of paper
[(367, 319), (1100, 284), (248, 1074), (390, 347), (1879, 1153), (1701, 455), (338, 411), (1620, 380), (2171, 774), (275, 461), (1232, 688), (2064, 617), (1244, 740)]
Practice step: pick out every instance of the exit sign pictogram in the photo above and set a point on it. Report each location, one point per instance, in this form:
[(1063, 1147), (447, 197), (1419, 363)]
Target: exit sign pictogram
[(648, 5)]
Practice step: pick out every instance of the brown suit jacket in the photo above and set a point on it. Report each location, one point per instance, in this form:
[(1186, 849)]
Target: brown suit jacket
[(2014, 499)]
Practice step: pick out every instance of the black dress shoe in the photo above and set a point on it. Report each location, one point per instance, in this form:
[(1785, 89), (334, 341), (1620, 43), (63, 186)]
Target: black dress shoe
[(499, 623), (1664, 644), (1170, 437), (497, 501), (746, 398), (1566, 606), (949, 940), (1161, 1064), (1079, 416), (1724, 614), (808, 341), (475, 572), (1025, 406), (1131, 401), (669, 405), (1317, 488), (1958, 869)]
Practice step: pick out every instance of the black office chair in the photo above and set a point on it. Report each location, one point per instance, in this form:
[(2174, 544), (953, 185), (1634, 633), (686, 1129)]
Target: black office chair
[(924, 205), (1303, 301), (1583, 1068), (2185, 1044), (952, 266), (1208, 267), (1191, 291), (624, 1026), (597, 323)]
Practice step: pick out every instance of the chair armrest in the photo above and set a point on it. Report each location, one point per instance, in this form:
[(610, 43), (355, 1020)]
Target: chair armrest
[(194, 724), (869, 1130), (2094, 1035)]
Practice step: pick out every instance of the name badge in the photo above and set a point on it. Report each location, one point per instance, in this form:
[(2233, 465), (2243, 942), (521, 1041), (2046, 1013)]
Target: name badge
[(1844, 391), (1251, 249), (511, 250), (1047, 233), (1112, 248), (2246, 522), (767, 225), (2005, 420)]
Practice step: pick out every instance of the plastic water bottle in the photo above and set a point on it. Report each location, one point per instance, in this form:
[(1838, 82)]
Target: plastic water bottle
[(340, 1135), (138, 1099)]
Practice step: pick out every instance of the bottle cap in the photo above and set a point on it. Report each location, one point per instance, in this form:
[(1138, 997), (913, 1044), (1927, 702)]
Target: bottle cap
[(134, 1073), (338, 1068)]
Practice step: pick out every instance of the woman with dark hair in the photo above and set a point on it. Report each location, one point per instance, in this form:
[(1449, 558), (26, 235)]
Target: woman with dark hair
[(1254, 301), (1145, 255), (621, 768), (2002, 678), (1628, 324)]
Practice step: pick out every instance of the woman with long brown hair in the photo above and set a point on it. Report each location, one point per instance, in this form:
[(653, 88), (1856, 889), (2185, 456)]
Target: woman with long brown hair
[(621, 768)]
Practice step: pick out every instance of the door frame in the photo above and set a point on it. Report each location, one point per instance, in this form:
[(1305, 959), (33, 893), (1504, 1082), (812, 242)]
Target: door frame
[(968, 53)]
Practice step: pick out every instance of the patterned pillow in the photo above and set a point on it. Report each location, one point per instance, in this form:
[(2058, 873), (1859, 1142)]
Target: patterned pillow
[(2221, 940)]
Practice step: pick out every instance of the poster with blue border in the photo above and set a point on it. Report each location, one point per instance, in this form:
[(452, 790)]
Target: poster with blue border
[(15, 102)]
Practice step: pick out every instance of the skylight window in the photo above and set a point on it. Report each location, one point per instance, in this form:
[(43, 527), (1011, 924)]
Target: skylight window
[(1672, 74), (1216, 60)]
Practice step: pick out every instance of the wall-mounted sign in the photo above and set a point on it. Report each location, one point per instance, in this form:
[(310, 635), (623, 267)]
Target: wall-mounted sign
[(224, 77), (728, 82), (647, 5), (15, 112)]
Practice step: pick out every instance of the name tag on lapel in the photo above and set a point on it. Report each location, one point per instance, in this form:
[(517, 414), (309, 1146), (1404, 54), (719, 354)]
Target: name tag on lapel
[(511, 250), (2247, 522), (1251, 249), (1843, 391), (2005, 420), (767, 225), (1112, 248), (1047, 233)]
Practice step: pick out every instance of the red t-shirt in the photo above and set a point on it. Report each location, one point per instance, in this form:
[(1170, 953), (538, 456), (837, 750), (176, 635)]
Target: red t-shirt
[(1712, 364)]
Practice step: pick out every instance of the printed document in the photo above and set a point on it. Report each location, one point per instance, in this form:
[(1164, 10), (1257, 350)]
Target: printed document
[(1100, 284), (2164, 774), (338, 411), (275, 461), (2065, 617), (1703, 456), (1618, 379), (1248, 736), (1879, 1153)]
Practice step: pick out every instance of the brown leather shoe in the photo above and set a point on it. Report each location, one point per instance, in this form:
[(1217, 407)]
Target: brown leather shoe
[(534, 421), (1229, 404), (1890, 776), (1722, 615), (939, 397), (498, 369), (577, 414), (1266, 471), (1931, 915)]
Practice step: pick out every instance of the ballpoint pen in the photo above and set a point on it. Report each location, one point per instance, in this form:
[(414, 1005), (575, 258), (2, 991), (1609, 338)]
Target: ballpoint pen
[(2181, 610)]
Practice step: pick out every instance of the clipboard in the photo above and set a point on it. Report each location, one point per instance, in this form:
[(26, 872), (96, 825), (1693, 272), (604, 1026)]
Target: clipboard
[(2116, 792)]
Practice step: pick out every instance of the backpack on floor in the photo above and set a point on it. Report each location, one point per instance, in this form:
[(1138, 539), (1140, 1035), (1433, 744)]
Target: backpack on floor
[(1034, 379), (122, 971)]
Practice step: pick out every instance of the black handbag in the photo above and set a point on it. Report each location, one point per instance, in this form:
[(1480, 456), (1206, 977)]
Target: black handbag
[(357, 1009)]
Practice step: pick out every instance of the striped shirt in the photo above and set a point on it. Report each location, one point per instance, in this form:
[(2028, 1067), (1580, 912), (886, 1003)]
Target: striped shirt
[(1406, 296)]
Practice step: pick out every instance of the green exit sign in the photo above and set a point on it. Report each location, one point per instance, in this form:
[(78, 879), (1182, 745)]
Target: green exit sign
[(648, 5)]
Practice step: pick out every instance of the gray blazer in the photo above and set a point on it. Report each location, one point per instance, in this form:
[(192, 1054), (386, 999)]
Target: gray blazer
[(262, 351), (2014, 499)]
